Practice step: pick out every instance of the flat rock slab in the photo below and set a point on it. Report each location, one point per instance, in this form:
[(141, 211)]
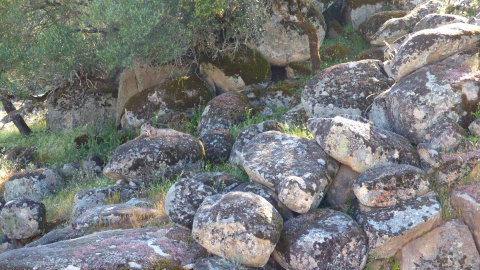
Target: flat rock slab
[(187, 194), (147, 248), (322, 239), (347, 88), (296, 168), (386, 184), (450, 246), (33, 185), (389, 228), (22, 219), (238, 226), (467, 199), (166, 153), (361, 145)]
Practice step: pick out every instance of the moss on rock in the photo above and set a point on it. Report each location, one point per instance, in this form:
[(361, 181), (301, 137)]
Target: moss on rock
[(370, 54), (335, 52), (302, 68)]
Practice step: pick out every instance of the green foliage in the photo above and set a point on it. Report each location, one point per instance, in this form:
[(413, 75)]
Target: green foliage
[(476, 113)]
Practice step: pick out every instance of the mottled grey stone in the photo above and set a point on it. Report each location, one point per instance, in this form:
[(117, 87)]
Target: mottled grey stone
[(217, 144), (455, 167), (22, 219), (436, 20), (33, 185)]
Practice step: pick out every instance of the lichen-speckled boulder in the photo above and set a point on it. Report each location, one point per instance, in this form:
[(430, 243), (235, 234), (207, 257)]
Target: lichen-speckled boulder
[(217, 144), (146, 248), (239, 226), (386, 184), (430, 45), (361, 145), (340, 192), (246, 135), (296, 116), (466, 198), (360, 11), (176, 95), (445, 136), (296, 168), (227, 73), (279, 96), (268, 195), (389, 228), (436, 20), (370, 26), (187, 194), (398, 27), (455, 167), (22, 219), (347, 88), (450, 246), (167, 154), (322, 239), (224, 111), (33, 185), (91, 198), (285, 37)]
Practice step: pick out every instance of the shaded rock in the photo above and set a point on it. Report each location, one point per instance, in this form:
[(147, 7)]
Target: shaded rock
[(323, 5), (228, 73), (445, 136), (296, 116), (418, 101), (360, 11), (268, 195), (296, 168), (450, 246), (455, 167), (322, 239), (474, 127), (398, 27), (361, 145), (91, 198), (70, 169), (239, 226), (34, 185), (436, 20), (297, 70), (279, 96), (340, 192), (386, 184), (57, 236), (22, 219), (224, 111), (172, 96), (187, 194), (466, 198), (284, 39), (429, 158), (164, 153), (373, 53), (93, 165), (370, 26), (389, 228), (334, 29), (7, 244), (347, 88), (20, 156), (217, 144), (145, 248), (216, 263), (430, 45), (246, 135), (335, 52)]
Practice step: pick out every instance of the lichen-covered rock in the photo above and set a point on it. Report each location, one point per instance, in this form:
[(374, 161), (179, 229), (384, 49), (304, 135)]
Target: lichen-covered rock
[(418, 101), (474, 127), (224, 111), (450, 246), (347, 88), (295, 117), (268, 195), (91, 198), (296, 168), (335, 52), (322, 239), (175, 95), (340, 192), (115, 216), (361, 145), (187, 194), (287, 31), (361, 10), (398, 27), (436, 20), (146, 248), (279, 96), (463, 7), (22, 219), (386, 184), (217, 144), (454, 167), (466, 198), (33, 185), (430, 45), (389, 228), (166, 154), (216, 263), (239, 226), (445, 136), (57, 236), (246, 135), (228, 73), (370, 26)]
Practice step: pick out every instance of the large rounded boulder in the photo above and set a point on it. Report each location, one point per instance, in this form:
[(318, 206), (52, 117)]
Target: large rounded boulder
[(239, 226), (33, 185), (23, 219), (322, 239), (167, 154)]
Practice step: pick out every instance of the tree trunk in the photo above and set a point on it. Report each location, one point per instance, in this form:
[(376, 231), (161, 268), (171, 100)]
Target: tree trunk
[(16, 118)]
